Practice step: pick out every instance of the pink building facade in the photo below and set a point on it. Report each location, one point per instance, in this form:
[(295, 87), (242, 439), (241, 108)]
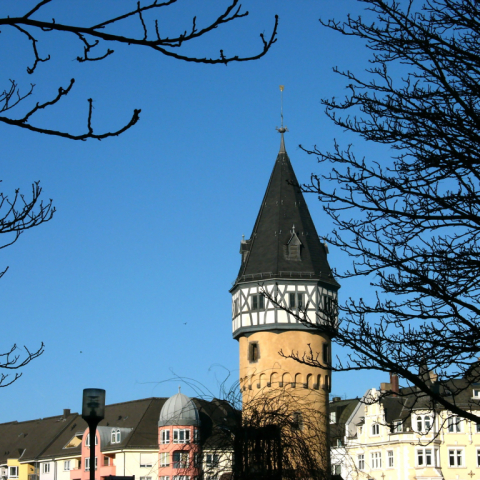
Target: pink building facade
[(178, 439)]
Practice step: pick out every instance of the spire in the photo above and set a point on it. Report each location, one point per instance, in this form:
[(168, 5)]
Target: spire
[(284, 242)]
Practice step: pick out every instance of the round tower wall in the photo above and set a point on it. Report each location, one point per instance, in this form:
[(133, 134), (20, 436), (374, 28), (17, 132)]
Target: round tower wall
[(262, 368)]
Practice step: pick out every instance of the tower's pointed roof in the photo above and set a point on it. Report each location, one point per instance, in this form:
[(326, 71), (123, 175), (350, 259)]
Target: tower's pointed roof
[(284, 223)]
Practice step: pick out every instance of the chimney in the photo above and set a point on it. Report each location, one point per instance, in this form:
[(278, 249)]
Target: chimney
[(66, 412), (394, 383)]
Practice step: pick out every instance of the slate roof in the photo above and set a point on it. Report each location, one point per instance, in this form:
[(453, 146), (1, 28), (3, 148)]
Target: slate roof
[(46, 438), (283, 210), (30, 439), (343, 410)]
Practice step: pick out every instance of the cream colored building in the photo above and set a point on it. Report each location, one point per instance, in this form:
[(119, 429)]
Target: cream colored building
[(406, 437)]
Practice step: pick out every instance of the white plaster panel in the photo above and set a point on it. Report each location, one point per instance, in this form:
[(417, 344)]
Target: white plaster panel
[(270, 316)]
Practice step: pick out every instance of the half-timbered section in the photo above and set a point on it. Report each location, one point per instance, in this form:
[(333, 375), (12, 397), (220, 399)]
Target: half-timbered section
[(284, 301)]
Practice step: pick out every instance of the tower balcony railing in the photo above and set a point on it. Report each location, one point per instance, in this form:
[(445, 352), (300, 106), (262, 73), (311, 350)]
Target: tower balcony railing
[(282, 273)]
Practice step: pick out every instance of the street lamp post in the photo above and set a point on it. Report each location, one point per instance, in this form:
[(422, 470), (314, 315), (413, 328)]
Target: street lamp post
[(93, 412)]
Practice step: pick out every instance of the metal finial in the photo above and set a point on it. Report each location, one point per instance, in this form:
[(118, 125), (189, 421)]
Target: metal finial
[(281, 104), (282, 129), (179, 389)]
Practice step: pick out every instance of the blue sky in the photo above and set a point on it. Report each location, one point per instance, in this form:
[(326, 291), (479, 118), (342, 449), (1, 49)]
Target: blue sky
[(128, 284)]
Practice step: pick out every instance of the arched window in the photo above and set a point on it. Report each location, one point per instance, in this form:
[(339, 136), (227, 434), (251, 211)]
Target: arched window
[(87, 441), (118, 436), (112, 439)]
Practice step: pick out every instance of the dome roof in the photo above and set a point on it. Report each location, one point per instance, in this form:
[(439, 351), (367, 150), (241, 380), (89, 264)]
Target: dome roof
[(179, 410)]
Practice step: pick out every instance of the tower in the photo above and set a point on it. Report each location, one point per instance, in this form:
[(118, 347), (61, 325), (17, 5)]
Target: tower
[(178, 434), (284, 267)]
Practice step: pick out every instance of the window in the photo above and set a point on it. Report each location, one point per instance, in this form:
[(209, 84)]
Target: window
[(181, 436), (146, 460), (115, 436), (333, 417), (326, 353), (397, 426), (361, 461), (390, 458), (106, 461), (180, 477), (196, 435), (253, 352), (476, 393), (454, 424), (164, 477), (478, 457), (211, 460), (424, 423), (455, 457), (328, 305), (295, 300), (66, 465), (164, 459), (145, 478), (375, 429), (426, 457), (197, 460), (12, 472), (180, 459), (297, 421), (258, 302), (376, 459), (46, 468), (477, 428), (165, 436), (87, 464), (87, 441), (336, 469), (235, 307)]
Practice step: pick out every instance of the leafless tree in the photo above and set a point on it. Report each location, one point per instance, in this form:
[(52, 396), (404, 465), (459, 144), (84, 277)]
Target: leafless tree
[(411, 223), (17, 215), (139, 26), (272, 435), (276, 433)]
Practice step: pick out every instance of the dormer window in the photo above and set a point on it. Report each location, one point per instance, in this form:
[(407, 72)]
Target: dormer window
[(397, 426), (476, 393), (293, 247), (116, 436)]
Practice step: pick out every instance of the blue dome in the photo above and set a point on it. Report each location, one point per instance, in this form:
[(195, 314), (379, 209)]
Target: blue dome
[(179, 410)]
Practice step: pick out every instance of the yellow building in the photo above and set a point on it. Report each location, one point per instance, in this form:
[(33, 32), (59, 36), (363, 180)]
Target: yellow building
[(407, 437), (284, 274)]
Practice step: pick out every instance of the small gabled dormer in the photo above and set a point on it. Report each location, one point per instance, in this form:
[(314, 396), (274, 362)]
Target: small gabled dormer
[(292, 249), (244, 248)]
